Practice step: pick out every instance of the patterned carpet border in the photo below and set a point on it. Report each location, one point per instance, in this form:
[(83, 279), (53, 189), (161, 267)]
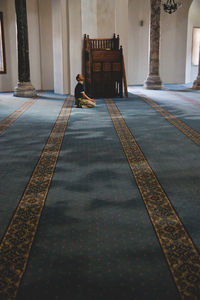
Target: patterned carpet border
[(7, 122), (180, 252), (192, 134), (17, 241)]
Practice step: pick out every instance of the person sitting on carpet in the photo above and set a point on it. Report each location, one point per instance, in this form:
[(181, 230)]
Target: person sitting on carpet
[(81, 99)]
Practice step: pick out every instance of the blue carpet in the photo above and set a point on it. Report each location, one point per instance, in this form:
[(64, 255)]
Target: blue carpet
[(21, 145), (185, 110), (171, 155), (178, 87), (95, 238), (8, 104)]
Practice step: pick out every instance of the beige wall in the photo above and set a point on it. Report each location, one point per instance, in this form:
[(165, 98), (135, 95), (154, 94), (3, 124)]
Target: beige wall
[(34, 43), (40, 45), (9, 80), (46, 44), (76, 41), (89, 17), (174, 44), (138, 41), (105, 18), (60, 30), (193, 21), (121, 27)]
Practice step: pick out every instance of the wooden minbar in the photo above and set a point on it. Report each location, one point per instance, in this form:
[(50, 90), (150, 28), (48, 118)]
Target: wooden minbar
[(103, 67)]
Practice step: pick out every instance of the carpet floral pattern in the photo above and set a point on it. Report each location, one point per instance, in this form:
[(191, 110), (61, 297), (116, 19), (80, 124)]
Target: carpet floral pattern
[(179, 250), (17, 241), (94, 207)]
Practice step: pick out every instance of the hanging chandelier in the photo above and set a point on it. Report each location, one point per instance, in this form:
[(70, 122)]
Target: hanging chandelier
[(171, 6)]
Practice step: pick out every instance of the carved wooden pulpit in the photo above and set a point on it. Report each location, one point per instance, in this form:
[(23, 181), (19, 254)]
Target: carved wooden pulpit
[(103, 67)]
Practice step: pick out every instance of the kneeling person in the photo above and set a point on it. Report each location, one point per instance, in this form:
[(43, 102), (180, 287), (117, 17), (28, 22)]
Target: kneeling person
[(81, 99)]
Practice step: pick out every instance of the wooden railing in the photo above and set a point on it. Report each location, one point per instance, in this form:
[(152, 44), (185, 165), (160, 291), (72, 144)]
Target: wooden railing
[(102, 44), (105, 44)]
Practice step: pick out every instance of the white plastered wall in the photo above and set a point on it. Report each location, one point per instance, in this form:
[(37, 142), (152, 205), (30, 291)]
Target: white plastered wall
[(76, 41), (121, 27), (34, 43), (9, 80), (46, 44), (60, 46), (40, 51), (138, 40), (193, 21), (105, 18), (89, 17), (173, 44), (82, 20)]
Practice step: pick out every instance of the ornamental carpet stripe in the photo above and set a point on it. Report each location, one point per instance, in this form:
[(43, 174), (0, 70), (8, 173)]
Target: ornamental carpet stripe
[(17, 241), (180, 252), (192, 134), (7, 122)]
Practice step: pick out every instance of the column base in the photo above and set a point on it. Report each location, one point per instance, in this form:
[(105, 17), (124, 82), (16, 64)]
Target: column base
[(24, 89), (196, 84), (153, 83)]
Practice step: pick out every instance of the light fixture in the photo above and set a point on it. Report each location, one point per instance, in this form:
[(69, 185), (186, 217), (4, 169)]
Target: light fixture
[(171, 6)]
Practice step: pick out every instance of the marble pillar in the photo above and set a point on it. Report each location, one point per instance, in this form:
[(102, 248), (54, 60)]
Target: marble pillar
[(24, 87), (153, 80), (196, 84)]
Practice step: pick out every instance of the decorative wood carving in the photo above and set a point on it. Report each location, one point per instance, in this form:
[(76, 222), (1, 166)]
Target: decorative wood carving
[(96, 67), (116, 67), (107, 67)]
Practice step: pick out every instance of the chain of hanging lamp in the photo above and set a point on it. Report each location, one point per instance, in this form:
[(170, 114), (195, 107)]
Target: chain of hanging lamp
[(171, 6)]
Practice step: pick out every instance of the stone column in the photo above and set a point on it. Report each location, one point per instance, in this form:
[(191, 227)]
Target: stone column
[(196, 84), (153, 80), (24, 87)]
